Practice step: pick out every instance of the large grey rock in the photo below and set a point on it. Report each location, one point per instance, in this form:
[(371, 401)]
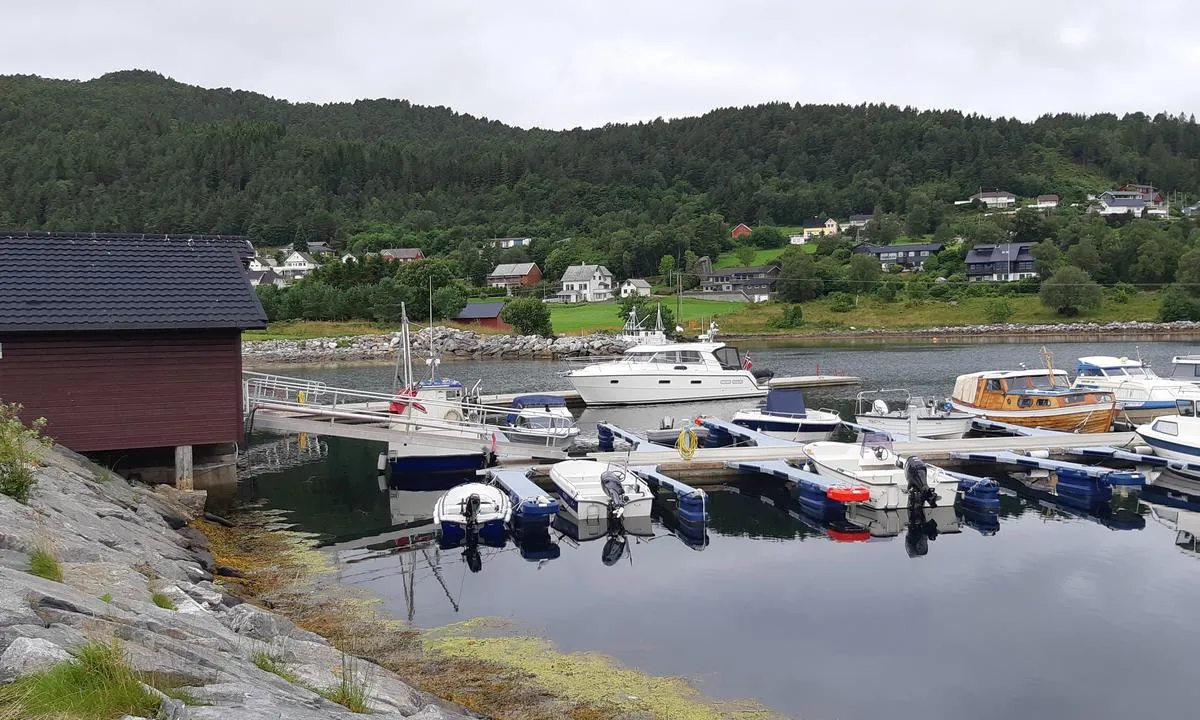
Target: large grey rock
[(25, 656), (105, 578), (245, 619)]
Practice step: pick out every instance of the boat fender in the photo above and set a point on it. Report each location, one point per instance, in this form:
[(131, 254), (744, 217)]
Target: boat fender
[(452, 415), (946, 406), (1143, 449), (1043, 454)]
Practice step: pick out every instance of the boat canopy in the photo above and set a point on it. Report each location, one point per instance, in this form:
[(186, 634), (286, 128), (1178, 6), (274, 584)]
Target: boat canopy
[(524, 401), (785, 401)]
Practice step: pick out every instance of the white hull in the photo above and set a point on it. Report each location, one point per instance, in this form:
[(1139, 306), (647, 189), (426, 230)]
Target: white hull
[(890, 523), (931, 428), (883, 477), (579, 484), (494, 505), (613, 388), (816, 425)]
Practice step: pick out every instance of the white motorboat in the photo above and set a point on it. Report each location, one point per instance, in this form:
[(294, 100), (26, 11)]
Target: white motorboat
[(1175, 437), (892, 482), (670, 372), (1186, 368), (472, 508), (540, 419), (911, 416), (784, 416), (1142, 394), (593, 489)]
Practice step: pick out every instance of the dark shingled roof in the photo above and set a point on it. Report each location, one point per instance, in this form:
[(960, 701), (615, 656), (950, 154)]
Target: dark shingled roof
[(480, 311), (125, 282)]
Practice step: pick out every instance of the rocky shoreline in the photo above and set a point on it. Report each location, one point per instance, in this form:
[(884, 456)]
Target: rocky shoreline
[(123, 548), (466, 345)]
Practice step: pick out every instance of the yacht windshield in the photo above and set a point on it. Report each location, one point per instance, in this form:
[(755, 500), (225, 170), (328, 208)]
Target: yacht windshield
[(1136, 372), (641, 357), (1041, 381)]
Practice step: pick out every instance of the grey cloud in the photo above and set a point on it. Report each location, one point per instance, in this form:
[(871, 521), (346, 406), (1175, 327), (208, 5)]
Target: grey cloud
[(563, 64)]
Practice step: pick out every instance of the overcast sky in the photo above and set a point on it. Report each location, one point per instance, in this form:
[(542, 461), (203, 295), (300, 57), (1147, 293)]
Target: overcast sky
[(563, 63)]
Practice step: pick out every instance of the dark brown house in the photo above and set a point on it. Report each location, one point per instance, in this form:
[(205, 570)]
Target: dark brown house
[(126, 342)]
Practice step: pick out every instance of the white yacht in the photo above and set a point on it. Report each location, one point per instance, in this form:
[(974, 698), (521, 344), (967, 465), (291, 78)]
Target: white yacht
[(1186, 368), (671, 372), (1142, 394), (1177, 436)]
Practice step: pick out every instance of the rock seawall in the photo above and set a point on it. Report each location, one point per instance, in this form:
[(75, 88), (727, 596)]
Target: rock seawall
[(450, 343), (1131, 327), (118, 542)]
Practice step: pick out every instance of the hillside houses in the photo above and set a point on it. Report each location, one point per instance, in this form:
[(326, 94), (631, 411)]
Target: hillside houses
[(910, 257), (510, 275), (586, 283), (506, 243), (1005, 262), (756, 282), (1133, 200), (819, 227), (993, 200), (402, 254)]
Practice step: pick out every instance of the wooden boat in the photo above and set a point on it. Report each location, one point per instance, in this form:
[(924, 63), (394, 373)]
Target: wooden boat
[(1040, 398)]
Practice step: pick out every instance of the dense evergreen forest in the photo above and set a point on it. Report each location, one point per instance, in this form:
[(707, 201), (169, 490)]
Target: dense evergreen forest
[(136, 151)]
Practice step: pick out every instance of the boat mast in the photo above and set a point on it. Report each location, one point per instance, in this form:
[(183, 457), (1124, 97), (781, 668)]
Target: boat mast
[(1049, 360), (406, 346), (432, 361)]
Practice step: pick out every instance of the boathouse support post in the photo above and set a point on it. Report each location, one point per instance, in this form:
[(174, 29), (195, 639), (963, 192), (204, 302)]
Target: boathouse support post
[(183, 467)]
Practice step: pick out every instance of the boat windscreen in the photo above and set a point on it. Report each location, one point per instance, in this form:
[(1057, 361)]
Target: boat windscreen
[(728, 357), (788, 401)]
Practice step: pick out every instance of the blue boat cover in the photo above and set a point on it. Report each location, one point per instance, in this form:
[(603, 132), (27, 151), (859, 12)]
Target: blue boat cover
[(785, 401), (523, 401)]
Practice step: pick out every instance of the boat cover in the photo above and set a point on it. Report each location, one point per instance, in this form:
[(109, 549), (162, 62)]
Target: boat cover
[(785, 401), (524, 401)]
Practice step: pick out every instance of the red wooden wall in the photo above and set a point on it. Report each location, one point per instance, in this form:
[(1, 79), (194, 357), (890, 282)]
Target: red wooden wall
[(126, 390)]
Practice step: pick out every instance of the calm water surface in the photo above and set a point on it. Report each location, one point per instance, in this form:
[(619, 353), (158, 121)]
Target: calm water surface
[(1058, 613)]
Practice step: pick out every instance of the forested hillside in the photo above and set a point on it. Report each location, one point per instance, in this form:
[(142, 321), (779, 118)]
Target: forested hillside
[(136, 151)]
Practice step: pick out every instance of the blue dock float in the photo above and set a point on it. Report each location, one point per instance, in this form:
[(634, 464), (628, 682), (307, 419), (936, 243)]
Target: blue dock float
[(977, 492), (691, 503), (1081, 477), (718, 428), (530, 504), (817, 494), (1149, 461), (607, 433)]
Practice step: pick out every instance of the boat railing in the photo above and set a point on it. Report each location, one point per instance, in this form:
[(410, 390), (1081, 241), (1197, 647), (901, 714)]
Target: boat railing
[(864, 401), (302, 397)]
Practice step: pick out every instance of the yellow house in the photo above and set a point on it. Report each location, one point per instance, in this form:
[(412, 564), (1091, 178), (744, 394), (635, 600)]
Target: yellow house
[(817, 227)]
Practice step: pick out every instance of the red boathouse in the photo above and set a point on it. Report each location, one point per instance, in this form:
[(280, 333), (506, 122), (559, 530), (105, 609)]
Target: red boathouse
[(127, 343)]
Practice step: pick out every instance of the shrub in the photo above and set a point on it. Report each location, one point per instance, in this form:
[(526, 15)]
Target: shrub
[(792, 317), (1178, 304), (998, 310), (95, 683), (841, 302), (1070, 291), (1122, 293), (43, 564), (20, 449), (528, 316), (161, 600)]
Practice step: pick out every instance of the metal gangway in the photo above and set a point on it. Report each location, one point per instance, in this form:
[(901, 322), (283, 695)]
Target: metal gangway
[(298, 405)]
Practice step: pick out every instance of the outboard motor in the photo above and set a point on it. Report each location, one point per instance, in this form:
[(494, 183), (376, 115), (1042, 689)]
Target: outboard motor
[(614, 546), (919, 492), (761, 374), (666, 422), (470, 510), (471, 554), (610, 481)]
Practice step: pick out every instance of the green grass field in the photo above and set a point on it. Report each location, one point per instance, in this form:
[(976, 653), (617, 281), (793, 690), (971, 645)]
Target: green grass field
[(761, 257), (577, 319)]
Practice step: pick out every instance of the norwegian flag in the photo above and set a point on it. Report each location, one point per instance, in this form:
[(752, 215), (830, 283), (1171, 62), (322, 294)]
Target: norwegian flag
[(402, 400), (746, 364)]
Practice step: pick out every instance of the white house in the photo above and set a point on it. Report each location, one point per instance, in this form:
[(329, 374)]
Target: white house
[(586, 283), (261, 264), (506, 243), (858, 221), (1045, 202), (297, 265), (635, 287), (1106, 204), (348, 258), (267, 277), (797, 239), (998, 199)]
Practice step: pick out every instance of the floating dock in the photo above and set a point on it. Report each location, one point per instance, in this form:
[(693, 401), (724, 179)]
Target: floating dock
[(1108, 476), (529, 503)]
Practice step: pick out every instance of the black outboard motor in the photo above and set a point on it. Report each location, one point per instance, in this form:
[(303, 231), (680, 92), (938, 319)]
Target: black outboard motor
[(470, 510), (614, 546), (919, 492), (610, 480), (761, 374), (920, 531), (471, 554)]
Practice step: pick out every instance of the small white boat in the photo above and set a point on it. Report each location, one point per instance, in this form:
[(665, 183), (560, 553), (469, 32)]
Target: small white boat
[(892, 482), (911, 416), (1175, 437), (1143, 395), (1186, 368), (784, 416), (472, 508), (593, 489), (540, 419)]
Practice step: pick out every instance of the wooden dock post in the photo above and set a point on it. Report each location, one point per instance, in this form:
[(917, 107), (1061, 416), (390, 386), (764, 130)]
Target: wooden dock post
[(183, 468)]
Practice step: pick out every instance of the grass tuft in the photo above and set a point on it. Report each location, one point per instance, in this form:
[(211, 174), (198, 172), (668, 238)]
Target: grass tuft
[(106, 597), (351, 692), (43, 564), (270, 664), (95, 684), (161, 600)]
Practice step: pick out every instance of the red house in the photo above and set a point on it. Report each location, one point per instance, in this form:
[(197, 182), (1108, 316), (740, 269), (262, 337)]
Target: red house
[(484, 314), (508, 275), (741, 230), (127, 343), (402, 254)]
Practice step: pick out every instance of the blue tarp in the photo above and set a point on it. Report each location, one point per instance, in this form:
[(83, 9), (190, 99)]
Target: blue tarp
[(524, 401), (789, 401)]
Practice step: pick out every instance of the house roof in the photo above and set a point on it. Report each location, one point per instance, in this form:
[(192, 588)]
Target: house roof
[(510, 269), (748, 270), (63, 282), (583, 273), (637, 282), (1047, 198), (994, 194), (318, 248), (239, 244), (1126, 202), (307, 256), (911, 247), (999, 253), (519, 239), (815, 222), (269, 276), (480, 311), (859, 218), (402, 253)]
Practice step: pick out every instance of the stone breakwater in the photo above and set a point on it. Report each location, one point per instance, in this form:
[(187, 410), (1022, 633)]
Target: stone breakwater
[(450, 343), (118, 542)]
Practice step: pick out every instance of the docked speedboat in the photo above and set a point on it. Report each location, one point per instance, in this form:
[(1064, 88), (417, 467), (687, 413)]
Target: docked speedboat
[(593, 489), (472, 508), (1175, 437), (1040, 398), (1143, 395), (540, 419), (911, 416), (892, 482), (783, 415), (670, 372)]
